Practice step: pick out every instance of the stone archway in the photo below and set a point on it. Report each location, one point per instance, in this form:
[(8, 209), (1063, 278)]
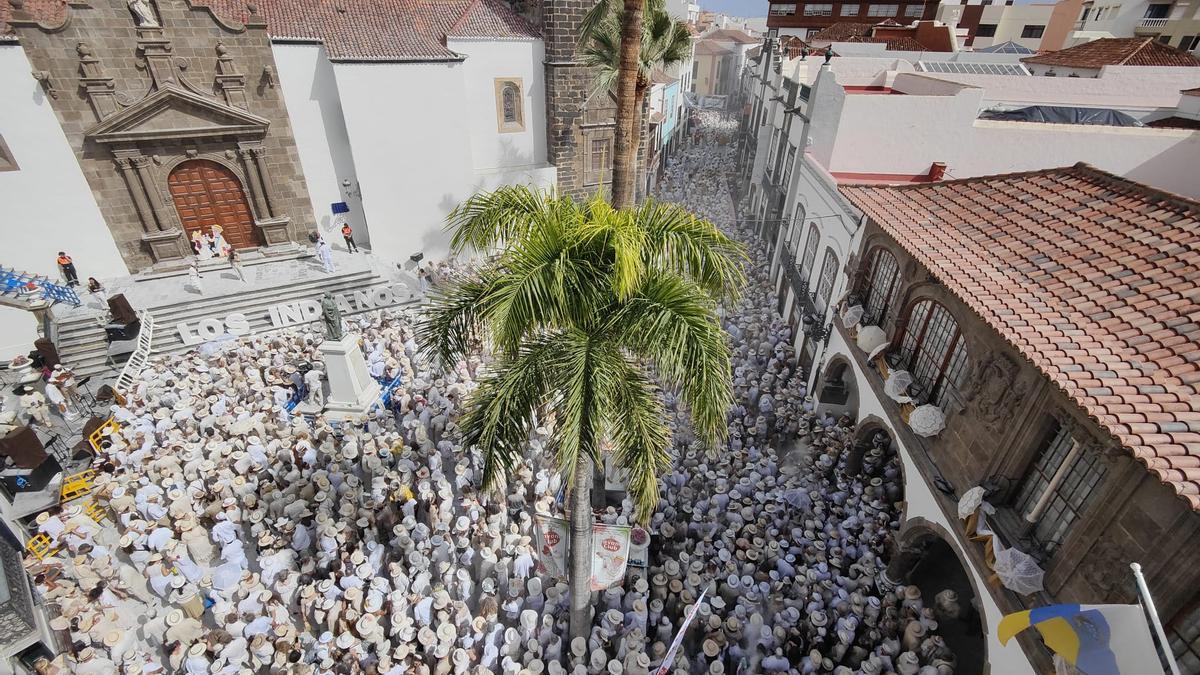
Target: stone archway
[(837, 391), (208, 194), (925, 558)]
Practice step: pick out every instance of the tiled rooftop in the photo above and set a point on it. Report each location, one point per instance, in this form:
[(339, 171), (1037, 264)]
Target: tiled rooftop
[(707, 46), (1092, 277), (731, 35), (356, 30), (1116, 52)]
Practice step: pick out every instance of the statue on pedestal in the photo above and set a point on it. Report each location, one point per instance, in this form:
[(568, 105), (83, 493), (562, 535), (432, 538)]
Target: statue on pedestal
[(331, 317)]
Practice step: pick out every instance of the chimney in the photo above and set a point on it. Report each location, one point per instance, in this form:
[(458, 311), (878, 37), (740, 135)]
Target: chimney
[(937, 171)]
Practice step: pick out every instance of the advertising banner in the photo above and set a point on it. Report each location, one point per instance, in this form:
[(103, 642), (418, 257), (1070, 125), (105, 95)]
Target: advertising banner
[(610, 555), (639, 547), (553, 537)]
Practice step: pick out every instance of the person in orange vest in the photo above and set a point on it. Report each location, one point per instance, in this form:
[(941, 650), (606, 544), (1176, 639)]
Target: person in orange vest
[(68, 268), (348, 235)]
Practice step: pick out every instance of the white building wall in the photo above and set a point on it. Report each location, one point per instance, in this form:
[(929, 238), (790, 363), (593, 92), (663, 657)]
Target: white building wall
[(48, 205), (424, 138), (314, 106)]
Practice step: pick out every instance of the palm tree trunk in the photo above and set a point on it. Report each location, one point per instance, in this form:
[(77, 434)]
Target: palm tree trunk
[(625, 144), (580, 575)]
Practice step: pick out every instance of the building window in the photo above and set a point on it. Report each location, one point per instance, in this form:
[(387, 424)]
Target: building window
[(932, 351), (986, 30), (1030, 31), (787, 167), (1183, 634), (1189, 42), (7, 162), (818, 10), (510, 105), (850, 10), (825, 281), (810, 251), (881, 10), (1074, 474), (599, 160), (783, 10), (914, 11), (771, 153), (880, 286)]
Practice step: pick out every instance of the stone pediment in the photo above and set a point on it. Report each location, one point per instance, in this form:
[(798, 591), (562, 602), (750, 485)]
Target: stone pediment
[(173, 113)]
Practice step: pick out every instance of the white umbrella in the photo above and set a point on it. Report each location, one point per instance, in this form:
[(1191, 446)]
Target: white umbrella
[(1018, 571), (927, 420), (897, 385), (852, 316), (870, 338)]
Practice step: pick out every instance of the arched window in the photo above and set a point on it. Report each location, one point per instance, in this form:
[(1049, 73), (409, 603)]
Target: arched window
[(509, 105), (810, 251), (933, 352), (826, 279), (879, 286)]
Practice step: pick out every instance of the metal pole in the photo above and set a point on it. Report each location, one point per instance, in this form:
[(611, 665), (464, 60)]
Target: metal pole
[(1147, 603)]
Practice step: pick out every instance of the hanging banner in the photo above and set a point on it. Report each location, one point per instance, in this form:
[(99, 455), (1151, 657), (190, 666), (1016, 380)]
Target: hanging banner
[(553, 535), (639, 547), (670, 658), (610, 555)]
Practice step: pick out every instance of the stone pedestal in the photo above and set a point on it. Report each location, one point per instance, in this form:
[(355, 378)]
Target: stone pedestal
[(352, 391), (275, 231), (168, 246)]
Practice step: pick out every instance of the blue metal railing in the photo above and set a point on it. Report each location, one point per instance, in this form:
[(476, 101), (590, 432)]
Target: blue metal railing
[(22, 285)]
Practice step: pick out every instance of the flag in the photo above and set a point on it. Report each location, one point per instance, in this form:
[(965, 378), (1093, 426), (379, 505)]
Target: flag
[(1096, 639), (687, 621)]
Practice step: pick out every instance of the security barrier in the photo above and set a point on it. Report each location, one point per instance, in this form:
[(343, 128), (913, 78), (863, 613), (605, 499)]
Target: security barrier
[(40, 546), (77, 485), (98, 435)]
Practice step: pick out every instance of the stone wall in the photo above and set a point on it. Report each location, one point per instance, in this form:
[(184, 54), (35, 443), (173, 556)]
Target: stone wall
[(222, 103), (995, 429)]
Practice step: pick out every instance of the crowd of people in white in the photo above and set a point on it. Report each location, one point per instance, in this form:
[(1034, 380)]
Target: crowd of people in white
[(241, 537)]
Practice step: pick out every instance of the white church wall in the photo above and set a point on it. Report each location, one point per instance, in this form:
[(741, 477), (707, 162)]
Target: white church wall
[(314, 105), (494, 151), (409, 132), (48, 205)]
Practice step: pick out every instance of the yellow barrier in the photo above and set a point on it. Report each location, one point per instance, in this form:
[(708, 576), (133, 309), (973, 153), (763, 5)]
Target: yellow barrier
[(98, 435), (95, 511), (77, 485), (40, 546)]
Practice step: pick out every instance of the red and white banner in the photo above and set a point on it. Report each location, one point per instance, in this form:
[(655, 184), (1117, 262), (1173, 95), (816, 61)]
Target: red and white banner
[(610, 555), (554, 536), (670, 658), (639, 547)]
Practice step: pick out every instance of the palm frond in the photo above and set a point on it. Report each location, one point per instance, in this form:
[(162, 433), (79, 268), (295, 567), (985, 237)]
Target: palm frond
[(450, 326), (574, 405), (499, 414), (679, 242), (672, 322), (635, 424), (596, 16), (488, 219)]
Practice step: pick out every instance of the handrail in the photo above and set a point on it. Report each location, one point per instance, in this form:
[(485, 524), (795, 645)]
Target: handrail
[(140, 356), (22, 285)]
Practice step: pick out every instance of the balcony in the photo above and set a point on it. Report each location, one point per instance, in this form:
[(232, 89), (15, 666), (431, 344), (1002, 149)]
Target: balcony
[(1151, 26)]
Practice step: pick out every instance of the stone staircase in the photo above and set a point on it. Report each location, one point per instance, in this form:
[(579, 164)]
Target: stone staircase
[(82, 344)]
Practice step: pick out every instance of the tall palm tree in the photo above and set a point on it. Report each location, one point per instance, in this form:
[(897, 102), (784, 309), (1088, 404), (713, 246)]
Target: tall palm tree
[(586, 309), (665, 42), (625, 139)]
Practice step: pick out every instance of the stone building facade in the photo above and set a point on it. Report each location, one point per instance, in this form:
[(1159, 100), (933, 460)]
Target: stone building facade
[(579, 121), (1083, 446), (178, 122)]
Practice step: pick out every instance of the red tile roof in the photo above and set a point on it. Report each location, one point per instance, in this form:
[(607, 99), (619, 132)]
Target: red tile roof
[(1191, 92), (841, 32), (1116, 52), (731, 35), (1174, 122), (359, 30), (898, 43), (1091, 277)]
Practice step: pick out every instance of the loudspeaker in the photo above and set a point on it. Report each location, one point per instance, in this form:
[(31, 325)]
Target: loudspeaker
[(121, 310), (49, 353), (118, 332)]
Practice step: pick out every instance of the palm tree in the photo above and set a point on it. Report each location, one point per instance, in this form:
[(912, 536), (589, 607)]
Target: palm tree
[(625, 139), (586, 309), (665, 42)]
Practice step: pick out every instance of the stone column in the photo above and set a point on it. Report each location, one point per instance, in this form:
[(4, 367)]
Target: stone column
[(274, 227), (264, 178), (133, 183), (253, 181), (166, 243), (141, 165)]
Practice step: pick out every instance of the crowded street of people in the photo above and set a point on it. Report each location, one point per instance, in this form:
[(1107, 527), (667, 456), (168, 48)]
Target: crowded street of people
[(240, 534)]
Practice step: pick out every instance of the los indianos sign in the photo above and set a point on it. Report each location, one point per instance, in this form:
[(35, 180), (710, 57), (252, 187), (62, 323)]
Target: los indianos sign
[(292, 313)]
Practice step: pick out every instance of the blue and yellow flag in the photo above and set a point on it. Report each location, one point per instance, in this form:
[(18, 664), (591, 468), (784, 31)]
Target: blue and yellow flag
[(1096, 639)]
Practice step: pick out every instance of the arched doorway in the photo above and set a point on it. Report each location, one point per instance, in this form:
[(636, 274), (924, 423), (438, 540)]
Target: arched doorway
[(207, 193), (836, 391), (925, 559)]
